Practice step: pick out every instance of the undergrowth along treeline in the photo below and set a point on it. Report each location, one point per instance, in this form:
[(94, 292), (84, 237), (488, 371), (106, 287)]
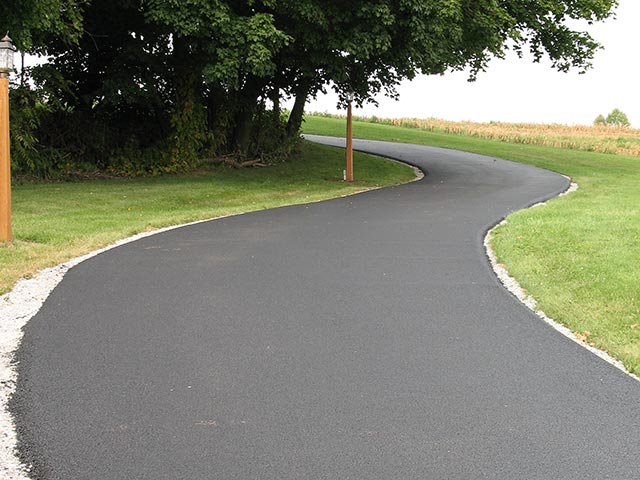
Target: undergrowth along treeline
[(135, 87), (596, 138)]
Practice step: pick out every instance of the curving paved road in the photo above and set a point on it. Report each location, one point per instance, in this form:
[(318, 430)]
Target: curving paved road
[(359, 338)]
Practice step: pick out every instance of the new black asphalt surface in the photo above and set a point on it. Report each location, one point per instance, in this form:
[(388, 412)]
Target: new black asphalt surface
[(359, 338)]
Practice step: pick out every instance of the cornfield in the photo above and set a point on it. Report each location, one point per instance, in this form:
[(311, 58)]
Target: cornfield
[(603, 139)]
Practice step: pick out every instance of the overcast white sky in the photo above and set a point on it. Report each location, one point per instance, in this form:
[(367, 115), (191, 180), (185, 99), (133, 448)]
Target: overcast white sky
[(515, 90)]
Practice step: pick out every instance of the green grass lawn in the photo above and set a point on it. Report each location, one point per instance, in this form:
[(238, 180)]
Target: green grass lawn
[(54, 222), (579, 256)]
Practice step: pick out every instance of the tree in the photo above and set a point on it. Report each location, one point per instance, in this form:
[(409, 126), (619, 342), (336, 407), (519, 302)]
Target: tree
[(617, 118), (600, 121), (29, 21), (231, 47), (169, 82)]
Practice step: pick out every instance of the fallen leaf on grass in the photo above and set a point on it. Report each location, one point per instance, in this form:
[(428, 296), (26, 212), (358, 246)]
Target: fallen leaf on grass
[(583, 337)]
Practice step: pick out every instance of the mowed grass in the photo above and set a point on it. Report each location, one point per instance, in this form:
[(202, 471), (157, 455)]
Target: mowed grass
[(55, 222), (578, 256)]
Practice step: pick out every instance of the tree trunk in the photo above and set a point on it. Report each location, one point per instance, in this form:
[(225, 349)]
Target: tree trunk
[(247, 101), (188, 119), (219, 116), (244, 127), (275, 99), (295, 118)]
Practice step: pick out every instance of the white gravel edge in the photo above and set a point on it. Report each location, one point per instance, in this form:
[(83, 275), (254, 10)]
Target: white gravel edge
[(25, 300), (516, 289)]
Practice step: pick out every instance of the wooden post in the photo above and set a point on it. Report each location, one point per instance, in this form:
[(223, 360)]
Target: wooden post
[(5, 163), (349, 169)]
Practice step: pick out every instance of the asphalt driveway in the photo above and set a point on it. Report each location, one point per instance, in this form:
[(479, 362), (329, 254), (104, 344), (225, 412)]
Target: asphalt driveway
[(360, 338)]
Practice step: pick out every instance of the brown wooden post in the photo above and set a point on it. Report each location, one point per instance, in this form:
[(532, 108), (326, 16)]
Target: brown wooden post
[(5, 162), (349, 169)]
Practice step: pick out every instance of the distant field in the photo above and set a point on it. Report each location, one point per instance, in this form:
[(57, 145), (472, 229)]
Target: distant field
[(602, 139), (578, 256)]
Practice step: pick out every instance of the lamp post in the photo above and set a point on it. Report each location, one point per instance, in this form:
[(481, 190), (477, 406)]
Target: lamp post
[(349, 167), (6, 65)]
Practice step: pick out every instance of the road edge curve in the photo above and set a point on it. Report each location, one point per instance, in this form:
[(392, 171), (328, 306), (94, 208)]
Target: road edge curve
[(513, 286)]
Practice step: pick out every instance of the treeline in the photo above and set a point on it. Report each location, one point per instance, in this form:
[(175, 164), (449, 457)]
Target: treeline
[(159, 86)]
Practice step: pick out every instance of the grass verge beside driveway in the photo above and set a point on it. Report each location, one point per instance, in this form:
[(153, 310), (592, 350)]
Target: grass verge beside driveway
[(578, 256), (55, 222)]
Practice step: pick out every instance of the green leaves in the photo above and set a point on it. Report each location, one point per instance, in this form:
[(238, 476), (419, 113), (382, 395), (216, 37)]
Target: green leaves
[(160, 75), (232, 41), (617, 118), (248, 47), (30, 21)]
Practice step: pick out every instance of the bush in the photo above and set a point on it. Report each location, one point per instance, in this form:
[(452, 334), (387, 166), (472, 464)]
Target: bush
[(27, 157)]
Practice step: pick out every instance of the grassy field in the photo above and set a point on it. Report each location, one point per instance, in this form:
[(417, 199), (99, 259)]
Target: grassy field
[(579, 256), (602, 139), (58, 221)]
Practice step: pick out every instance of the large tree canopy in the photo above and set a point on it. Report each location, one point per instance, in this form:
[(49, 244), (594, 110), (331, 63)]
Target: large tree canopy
[(29, 21), (138, 86)]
